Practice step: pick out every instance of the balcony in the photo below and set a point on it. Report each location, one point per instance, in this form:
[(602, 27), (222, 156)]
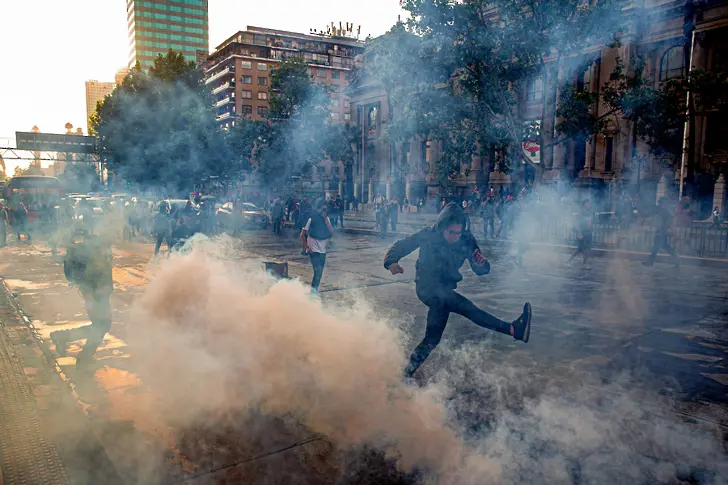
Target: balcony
[(225, 72), (224, 116), (224, 101), (223, 87)]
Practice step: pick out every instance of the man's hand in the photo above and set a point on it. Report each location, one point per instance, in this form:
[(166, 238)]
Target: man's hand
[(478, 258), (580, 236), (396, 269)]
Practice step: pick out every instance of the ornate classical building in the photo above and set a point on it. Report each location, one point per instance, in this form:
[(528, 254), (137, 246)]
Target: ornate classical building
[(670, 35)]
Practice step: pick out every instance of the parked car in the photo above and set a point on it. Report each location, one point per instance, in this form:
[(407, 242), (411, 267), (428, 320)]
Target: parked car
[(249, 217)]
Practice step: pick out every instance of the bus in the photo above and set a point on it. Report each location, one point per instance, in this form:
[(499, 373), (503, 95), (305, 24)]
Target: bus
[(37, 192)]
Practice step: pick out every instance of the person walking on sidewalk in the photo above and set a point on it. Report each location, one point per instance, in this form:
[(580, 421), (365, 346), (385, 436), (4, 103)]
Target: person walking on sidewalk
[(585, 236), (88, 264), (443, 250), (314, 237), (665, 220)]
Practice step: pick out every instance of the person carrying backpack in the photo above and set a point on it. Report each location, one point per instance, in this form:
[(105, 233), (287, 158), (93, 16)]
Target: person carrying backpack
[(88, 265)]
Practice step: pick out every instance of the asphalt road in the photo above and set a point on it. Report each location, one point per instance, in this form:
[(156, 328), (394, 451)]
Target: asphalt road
[(653, 336)]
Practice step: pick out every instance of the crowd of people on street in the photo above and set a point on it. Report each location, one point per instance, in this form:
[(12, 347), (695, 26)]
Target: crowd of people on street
[(87, 227)]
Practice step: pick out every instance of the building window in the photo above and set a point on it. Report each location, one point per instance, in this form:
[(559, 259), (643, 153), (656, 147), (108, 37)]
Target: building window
[(262, 67), (608, 154), (348, 75), (347, 116), (262, 95), (246, 79), (335, 75), (335, 116), (246, 94), (246, 65), (321, 73), (247, 109), (672, 63), (534, 92), (262, 111), (262, 81), (335, 88), (335, 102)]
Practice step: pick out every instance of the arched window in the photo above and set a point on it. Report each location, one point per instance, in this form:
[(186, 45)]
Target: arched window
[(672, 63)]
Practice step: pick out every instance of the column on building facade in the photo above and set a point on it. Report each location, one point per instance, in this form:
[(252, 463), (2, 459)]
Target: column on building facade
[(415, 181), (591, 143), (554, 155), (661, 188), (547, 123), (719, 195)]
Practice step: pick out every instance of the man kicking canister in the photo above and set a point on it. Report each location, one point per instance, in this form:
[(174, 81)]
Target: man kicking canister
[(443, 250)]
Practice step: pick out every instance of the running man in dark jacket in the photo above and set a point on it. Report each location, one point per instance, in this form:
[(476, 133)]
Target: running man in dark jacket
[(443, 250)]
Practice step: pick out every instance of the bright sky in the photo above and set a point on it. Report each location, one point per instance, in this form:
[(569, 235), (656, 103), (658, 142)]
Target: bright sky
[(49, 48)]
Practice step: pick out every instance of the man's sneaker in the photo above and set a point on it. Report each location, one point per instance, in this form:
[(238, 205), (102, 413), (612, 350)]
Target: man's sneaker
[(59, 340), (522, 325)]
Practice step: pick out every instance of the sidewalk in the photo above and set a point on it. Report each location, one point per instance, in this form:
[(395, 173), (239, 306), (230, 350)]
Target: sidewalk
[(409, 223), (44, 437)]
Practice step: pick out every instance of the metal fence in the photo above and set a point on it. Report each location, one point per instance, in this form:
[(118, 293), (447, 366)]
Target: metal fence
[(702, 239)]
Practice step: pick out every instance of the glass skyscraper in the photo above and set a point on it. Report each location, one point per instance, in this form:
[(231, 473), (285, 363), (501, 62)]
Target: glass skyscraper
[(159, 25)]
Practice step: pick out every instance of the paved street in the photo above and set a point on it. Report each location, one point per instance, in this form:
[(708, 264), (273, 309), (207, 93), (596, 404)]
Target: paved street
[(639, 346)]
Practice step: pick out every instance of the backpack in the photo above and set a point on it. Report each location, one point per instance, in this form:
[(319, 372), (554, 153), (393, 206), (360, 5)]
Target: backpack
[(74, 264)]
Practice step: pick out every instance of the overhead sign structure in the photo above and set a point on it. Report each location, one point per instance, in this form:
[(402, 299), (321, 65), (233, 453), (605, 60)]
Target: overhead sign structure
[(51, 142)]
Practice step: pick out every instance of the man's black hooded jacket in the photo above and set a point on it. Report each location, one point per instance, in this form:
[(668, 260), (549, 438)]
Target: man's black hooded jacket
[(438, 265)]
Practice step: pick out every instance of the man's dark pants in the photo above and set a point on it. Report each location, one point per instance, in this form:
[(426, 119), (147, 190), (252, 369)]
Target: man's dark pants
[(277, 225), (164, 236), (441, 302), (662, 241), (318, 261)]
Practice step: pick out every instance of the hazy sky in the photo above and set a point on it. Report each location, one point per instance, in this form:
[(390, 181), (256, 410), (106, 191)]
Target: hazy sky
[(49, 48)]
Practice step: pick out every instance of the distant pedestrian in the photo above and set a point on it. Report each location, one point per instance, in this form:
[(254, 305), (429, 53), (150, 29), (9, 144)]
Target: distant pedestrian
[(276, 214), (314, 237), (162, 227), (585, 237), (19, 220), (489, 217), (393, 214), (665, 223)]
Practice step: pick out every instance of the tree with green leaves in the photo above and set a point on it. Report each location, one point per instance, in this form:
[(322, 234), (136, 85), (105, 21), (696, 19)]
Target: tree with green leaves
[(158, 129), (468, 62), (298, 132)]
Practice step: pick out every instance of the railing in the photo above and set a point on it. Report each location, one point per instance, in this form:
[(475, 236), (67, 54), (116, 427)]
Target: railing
[(225, 101), (702, 239), (228, 70), (222, 88)]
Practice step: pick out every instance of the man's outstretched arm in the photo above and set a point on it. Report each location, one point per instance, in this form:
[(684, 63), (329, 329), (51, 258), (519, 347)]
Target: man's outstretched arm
[(403, 247)]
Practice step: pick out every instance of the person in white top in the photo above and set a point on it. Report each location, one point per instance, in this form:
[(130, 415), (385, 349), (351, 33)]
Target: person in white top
[(314, 237)]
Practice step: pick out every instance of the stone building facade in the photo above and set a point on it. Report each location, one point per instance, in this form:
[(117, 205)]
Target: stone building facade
[(670, 35)]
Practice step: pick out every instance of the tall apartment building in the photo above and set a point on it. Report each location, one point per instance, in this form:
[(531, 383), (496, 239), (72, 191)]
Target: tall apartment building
[(159, 25), (239, 70), (95, 92)]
